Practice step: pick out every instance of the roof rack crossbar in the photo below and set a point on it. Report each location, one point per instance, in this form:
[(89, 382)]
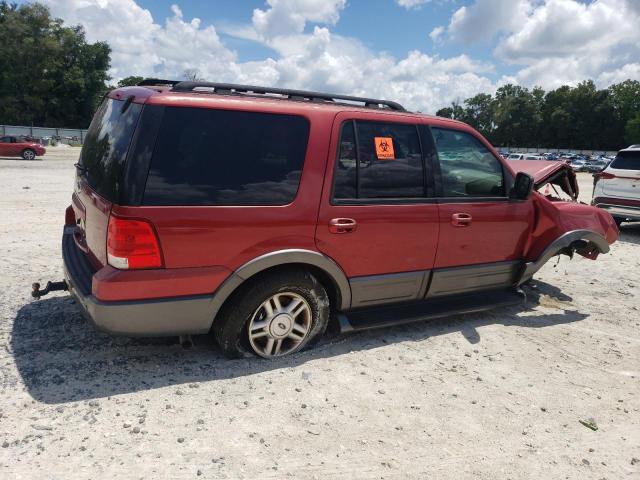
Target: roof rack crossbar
[(188, 86)]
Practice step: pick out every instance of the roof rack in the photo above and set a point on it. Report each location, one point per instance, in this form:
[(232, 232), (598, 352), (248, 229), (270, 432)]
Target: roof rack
[(157, 81), (231, 89)]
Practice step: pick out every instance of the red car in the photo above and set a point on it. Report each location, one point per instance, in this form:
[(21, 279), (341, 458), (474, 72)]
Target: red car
[(14, 147), (260, 214)]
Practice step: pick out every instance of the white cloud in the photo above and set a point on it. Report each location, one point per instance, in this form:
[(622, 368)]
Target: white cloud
[(482, 20), (436, 34), (142, 47), (285, 17), (318, 60), (556, 42), (565, 42), (409, 4)]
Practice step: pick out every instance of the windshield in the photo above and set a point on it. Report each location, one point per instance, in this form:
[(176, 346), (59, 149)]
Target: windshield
[(627, 161), (106, 144)]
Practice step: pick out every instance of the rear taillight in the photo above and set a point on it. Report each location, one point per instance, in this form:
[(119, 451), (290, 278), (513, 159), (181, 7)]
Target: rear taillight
[(69, 216), (132, 244)]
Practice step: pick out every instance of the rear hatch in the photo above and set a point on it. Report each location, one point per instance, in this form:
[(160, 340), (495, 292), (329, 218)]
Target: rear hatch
[(99, 174), (625, 182)]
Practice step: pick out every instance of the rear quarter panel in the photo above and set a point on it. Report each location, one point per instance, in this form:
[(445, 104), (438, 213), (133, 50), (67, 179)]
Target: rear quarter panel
[(202, 236)]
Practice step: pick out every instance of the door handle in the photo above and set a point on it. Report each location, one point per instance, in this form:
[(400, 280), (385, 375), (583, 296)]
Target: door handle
[(461, 219), (342, 225)]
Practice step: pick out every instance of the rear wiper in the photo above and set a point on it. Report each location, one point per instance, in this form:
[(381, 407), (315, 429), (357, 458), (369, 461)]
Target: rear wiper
[(81, 168)]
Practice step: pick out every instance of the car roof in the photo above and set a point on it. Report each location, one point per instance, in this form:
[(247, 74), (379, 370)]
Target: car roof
[(631, 149), (162, 95)]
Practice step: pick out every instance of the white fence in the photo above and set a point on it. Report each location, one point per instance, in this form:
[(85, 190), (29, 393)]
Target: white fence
[(557, 150), (66, 135)]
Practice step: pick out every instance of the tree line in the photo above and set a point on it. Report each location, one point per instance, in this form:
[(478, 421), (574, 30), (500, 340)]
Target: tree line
[(51, 76), (580, 117)]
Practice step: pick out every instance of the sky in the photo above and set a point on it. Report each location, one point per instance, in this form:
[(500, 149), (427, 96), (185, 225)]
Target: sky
[(422, 53)]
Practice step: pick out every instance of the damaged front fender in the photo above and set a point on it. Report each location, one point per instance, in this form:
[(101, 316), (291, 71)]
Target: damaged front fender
[(584, 242)]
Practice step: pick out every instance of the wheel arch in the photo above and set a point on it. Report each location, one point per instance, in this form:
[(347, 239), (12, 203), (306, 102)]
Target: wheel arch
[(591, 239), (325, 269)]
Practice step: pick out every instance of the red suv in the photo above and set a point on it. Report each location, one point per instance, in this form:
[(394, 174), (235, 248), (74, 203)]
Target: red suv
[(259, 214)]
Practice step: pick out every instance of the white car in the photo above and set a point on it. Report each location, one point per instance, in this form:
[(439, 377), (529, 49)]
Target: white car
[(516, 156), (617, 187)]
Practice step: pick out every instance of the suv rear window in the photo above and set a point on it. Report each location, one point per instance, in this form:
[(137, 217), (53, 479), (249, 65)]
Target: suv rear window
[(106, 144), (219, 157), (627, 161)]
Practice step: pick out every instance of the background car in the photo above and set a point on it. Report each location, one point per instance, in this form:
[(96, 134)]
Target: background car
[(617, 187), (14, 147)]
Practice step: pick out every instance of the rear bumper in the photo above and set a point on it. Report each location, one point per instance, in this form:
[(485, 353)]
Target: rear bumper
[(151, 317), (623, 208)]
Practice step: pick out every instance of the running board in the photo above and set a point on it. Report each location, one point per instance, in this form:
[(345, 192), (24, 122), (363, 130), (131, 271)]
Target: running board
[(379, 317)]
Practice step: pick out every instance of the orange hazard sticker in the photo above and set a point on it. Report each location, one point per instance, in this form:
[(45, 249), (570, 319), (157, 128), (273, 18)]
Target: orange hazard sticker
[(384, 148)]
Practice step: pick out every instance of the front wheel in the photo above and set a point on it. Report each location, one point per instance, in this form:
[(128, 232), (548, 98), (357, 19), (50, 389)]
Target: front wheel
[(28, 154), (275, 315)]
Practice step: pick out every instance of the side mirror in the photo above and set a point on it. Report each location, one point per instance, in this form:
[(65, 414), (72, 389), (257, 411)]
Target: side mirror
[(522, 187)]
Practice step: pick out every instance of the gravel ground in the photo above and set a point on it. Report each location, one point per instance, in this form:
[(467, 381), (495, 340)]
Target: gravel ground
[(549, 389)]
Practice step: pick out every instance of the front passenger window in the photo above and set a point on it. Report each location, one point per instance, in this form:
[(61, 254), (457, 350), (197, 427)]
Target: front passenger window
[(467, 167)]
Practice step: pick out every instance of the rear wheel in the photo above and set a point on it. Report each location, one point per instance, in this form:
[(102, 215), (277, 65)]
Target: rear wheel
[(28, 154), (274, 315)]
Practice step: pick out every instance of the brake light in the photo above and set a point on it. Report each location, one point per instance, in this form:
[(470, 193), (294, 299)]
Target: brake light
[(132, 244), (69, 216)]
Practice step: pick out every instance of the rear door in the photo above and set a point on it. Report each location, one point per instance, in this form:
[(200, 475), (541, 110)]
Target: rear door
[(99, 181), (625, 169), (377, 218), (482, 233)]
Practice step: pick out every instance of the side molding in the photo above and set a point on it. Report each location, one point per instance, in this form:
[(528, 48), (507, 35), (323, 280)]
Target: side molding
[(563, 241), (282, 257)]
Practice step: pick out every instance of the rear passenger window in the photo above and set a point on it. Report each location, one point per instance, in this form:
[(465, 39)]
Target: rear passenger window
[(379, 160), (627, 161), (218, 157), (467, 167)]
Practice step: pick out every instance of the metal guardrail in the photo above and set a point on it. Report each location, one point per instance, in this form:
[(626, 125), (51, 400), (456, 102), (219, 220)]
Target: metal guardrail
[(558, 150), (66, 135)]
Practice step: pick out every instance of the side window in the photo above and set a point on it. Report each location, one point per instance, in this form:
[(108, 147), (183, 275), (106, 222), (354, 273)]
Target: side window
[(344, 184), (379, 160), (217, 157), (5, 139), (467, 167)]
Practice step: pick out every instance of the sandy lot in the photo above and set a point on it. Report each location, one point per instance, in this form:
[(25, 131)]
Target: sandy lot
[(493, 395)]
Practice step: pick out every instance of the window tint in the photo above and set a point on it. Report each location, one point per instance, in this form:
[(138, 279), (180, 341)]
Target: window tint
[(382, 161), (344, 185), (106, 144), (217, 157), (467, 167), (627, 161)]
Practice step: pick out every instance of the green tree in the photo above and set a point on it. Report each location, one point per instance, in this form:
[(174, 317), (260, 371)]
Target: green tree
[(478, 113), (632, 130), (130, 81), (49, 74)]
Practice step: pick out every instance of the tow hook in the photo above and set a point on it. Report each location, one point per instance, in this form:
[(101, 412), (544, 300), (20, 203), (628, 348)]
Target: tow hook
[(51, 287)]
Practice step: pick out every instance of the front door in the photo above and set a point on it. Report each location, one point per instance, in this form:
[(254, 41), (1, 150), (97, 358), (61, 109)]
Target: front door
[(482, 233), (377, 218)]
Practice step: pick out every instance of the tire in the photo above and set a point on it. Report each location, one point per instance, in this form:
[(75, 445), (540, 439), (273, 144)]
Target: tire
[(618, 221), (28, 154), (255, 319)]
